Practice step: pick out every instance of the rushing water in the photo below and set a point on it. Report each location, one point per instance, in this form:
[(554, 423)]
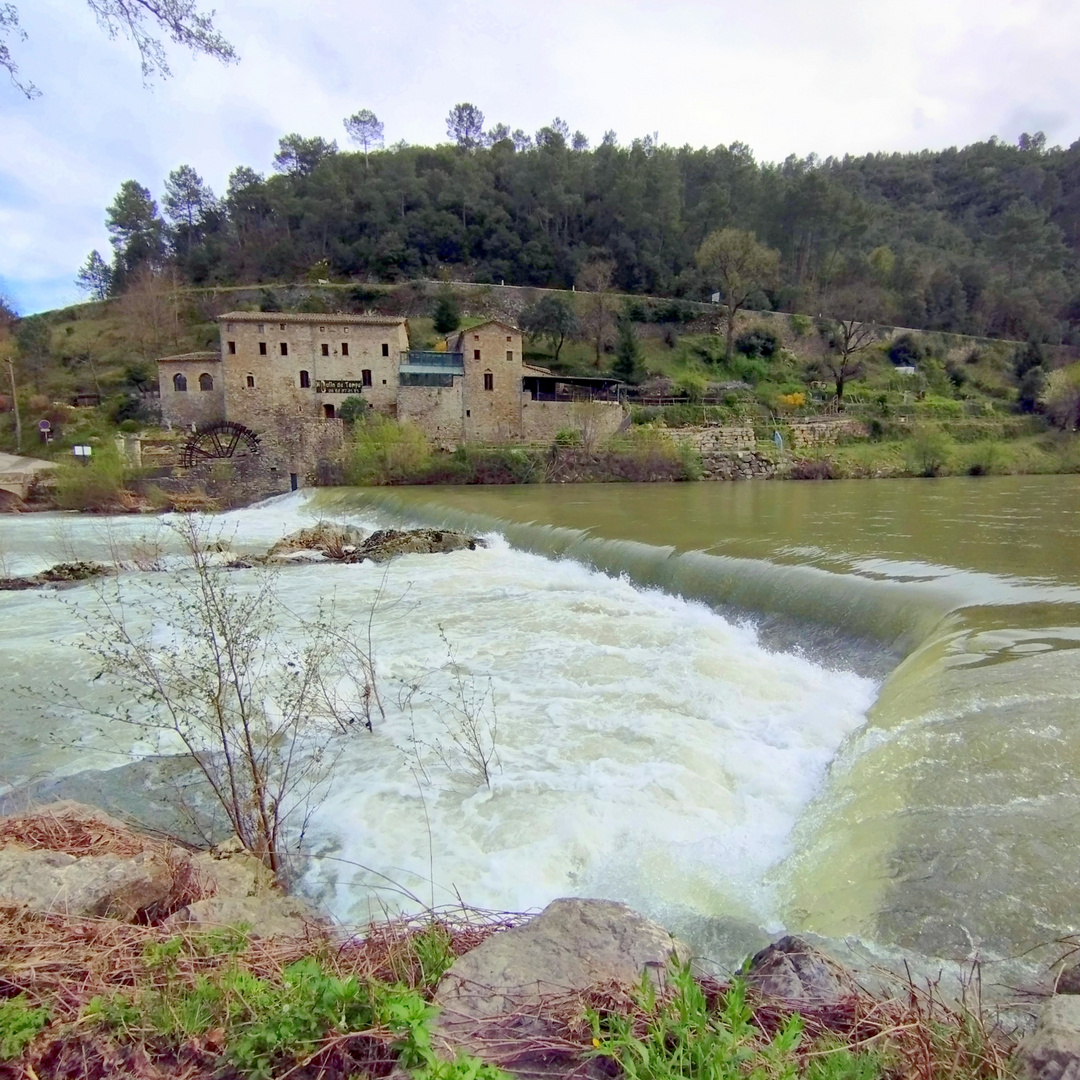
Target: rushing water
[(846, 708)]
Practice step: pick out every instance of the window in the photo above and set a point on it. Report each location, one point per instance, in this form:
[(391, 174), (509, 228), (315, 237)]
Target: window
[(232, 347), (284, 348), (425, 379), (328, 412), (365, 377), (510, 354), (262, 328), (322, 329), (262, 348), (325, 349), (385, 349), (251, 382), (468, 412), (509, 338), (228, 326), (282, 325), (476, 354), (489, 381), (206, 381), (179, 383), (344, 348), (476, 337), (305, 380)]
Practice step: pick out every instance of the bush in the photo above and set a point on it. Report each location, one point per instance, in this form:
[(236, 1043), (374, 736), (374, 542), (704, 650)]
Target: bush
[(758, 341), (801, 325), (98, 486), (929, 452), (352, 409), (984, 458), (382, 451)]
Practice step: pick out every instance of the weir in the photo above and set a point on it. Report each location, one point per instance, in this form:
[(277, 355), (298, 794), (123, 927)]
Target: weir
[(842, 709)]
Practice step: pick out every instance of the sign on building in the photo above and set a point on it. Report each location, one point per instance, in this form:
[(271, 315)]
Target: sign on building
[(339, 386)]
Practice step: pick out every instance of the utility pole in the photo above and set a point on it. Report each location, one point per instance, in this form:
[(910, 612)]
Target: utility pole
[(15, 404)]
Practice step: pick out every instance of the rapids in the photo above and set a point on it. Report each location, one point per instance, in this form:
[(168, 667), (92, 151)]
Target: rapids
[(844, 708)]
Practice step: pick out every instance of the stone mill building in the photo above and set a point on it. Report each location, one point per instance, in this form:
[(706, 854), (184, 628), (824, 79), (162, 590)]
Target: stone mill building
[(284, 378)]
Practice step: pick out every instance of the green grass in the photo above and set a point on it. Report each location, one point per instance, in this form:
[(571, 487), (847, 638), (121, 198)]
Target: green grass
[(20, 1023), (680, 1036)]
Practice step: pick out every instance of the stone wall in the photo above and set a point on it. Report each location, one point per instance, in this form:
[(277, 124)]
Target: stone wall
[(728, 453), (807, 434), (716, 439), (437, 410), (193, 405), (596, 421)]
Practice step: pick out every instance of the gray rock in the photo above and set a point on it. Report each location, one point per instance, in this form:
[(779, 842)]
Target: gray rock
[(88, 886), (1068, 982), (324, 536), (1052, 1050), (386, 544), (491, 996), (794, 971), (268, 915)]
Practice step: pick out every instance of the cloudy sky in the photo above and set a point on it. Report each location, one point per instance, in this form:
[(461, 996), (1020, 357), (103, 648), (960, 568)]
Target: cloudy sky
[(784, 76)]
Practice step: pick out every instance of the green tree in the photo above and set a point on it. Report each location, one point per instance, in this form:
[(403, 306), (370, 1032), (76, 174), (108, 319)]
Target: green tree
[(552, 318), (298, 156), (139, 21), (447, 314), (1061, 397), (365, 129), (741, 266), (95, 276), (465, 125), (136, 230), (627, 366), (1029, 368), (187, 203)]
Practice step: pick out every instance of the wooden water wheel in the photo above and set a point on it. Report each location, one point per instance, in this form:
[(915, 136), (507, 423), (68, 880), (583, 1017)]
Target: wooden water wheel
[(222, 439)]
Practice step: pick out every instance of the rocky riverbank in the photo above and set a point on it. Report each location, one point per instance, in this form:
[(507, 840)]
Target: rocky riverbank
[(125, 953)]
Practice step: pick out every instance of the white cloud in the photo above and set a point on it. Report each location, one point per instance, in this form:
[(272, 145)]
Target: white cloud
[(831, 76)]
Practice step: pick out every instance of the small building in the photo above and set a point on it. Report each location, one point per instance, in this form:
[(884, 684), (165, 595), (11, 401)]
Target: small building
[(285, 376)]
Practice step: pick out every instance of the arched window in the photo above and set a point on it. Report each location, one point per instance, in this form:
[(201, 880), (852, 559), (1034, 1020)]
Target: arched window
[(251, 382), (206, 381), (179, 383), (305, 380)]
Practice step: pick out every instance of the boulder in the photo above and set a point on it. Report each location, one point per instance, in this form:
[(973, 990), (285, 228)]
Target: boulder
[(324, 536), (386, 544), (268, 915), (104, 886), (795, 972), (491, 996), (1068, 982), (1052, 1050), (61, 574), (234, 873)]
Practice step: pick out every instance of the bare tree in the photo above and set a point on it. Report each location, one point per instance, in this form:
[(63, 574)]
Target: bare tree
[(851, 327), (741, 266), (140, 21), (220, 675), (595, 277), (150, 310)]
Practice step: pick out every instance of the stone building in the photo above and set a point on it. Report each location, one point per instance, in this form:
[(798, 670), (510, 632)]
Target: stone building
[(285, 376)]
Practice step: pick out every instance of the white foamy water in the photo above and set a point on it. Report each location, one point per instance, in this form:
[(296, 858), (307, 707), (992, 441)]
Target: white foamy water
[(649, 750)]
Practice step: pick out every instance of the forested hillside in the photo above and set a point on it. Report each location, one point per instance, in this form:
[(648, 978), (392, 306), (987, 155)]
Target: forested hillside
[(981, 240)]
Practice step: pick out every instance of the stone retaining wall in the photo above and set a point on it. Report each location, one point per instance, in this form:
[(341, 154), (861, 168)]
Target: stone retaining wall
[(806, 434)]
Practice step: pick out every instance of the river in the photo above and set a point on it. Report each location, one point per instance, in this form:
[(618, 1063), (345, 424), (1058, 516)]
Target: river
[(846, 708)]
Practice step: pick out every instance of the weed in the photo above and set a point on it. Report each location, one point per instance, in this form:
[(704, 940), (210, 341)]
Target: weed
[(19, 1023)]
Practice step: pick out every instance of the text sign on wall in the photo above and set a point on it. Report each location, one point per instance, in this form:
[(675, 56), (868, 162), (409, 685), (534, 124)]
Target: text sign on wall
[(339, 386)]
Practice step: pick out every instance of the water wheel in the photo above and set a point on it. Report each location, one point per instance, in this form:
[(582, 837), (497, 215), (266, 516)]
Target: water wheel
[(222, 439)]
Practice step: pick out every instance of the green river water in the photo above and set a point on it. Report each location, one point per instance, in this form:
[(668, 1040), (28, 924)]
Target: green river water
[(947, 824)]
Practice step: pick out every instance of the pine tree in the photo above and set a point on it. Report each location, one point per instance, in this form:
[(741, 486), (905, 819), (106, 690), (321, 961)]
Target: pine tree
[(627, 364)]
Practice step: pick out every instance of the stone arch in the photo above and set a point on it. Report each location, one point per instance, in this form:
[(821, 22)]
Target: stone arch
[(206, 381), (179, 383)]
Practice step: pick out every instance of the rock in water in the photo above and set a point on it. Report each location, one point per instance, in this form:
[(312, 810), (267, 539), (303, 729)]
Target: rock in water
[(796, 972), (324, 536), (60, 574), (491, 996), (1052, 1050), (386, 544)]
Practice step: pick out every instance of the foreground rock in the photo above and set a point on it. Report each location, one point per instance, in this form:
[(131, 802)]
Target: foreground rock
[(61, 574), (346, 543), (74, 860), (494, 998), (1052, 1050), (796, 973)]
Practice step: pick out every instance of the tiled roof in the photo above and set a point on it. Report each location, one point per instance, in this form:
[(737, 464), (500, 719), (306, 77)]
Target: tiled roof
[(337, 318), (204, 357), (536, 369), (487, 322)]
